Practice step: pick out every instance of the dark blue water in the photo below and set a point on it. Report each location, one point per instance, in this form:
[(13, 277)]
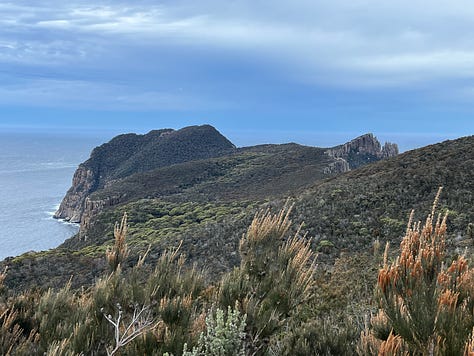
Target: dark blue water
[(35, 172)]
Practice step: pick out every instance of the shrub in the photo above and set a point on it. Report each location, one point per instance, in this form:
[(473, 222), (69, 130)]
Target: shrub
[(224, 336), (274, 280), (426, 307), (12, 338), (318, 336)]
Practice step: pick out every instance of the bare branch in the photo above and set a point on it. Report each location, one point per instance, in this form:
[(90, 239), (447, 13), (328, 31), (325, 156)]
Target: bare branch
[(141, 322)]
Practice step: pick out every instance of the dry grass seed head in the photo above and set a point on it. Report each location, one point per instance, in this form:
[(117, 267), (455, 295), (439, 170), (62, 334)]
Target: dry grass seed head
[(469, 348), (368, 343), (392, 346), (266, 224), (119, 252), (448, 300)]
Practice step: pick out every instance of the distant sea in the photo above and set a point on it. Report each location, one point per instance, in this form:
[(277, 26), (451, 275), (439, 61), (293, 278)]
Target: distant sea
[(36, 170)]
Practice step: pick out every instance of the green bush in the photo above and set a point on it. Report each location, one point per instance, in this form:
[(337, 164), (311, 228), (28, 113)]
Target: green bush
[(224, 336), (275, 278)]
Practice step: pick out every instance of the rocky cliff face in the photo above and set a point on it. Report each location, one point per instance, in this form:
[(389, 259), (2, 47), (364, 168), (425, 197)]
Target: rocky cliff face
[(84, 182), (389, 150), (361, 150), (94, 207), (128, 154), (339, 165)]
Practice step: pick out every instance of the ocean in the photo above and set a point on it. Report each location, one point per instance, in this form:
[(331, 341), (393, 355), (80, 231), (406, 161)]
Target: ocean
[(36, 170)]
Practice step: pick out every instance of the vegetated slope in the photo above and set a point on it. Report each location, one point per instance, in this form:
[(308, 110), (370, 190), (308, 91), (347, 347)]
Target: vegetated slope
[(354, 209), (128, 154), (293, 319), (347, 212), (206, 204), (249, 174)]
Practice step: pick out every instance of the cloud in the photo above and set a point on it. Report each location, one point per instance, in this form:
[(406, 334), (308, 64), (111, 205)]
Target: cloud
[(91, 95), (356, 44)]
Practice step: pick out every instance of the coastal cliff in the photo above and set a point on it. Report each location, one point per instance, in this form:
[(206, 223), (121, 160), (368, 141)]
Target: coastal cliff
[(128, 154), (84, 182)]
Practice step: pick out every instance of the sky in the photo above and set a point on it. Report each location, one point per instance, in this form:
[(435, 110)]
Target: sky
[(314, 72)]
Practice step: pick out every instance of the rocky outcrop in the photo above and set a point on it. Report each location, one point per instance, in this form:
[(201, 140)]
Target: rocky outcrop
[(359, 151), (389, 150), (128, 154), (93, 207), (83, 183), (339, 165)]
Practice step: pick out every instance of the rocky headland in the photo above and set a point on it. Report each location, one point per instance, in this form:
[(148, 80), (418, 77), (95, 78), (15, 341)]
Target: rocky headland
[(166, 162), (128, 154)]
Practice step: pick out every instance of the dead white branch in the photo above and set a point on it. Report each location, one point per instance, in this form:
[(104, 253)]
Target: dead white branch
[(141, 322)]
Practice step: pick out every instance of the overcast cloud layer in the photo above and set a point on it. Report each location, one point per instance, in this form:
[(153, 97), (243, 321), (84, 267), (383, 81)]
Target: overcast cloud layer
[(221, 55)]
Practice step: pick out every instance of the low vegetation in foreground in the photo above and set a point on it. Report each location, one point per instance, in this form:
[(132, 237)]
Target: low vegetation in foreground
[(276, 302)]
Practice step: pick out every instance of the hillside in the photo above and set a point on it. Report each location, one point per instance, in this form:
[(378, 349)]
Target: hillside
[(253, 174), (374, 201), (198, 163), (345, 212), (206, 207), (206, 203)]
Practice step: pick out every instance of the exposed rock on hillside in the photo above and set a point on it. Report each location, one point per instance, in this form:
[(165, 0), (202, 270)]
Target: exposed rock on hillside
[(340, 165), (389, 150), (361, 150), (83, 183)]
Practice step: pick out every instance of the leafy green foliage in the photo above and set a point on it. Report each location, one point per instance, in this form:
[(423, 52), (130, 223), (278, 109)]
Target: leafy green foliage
[(224, 335)]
